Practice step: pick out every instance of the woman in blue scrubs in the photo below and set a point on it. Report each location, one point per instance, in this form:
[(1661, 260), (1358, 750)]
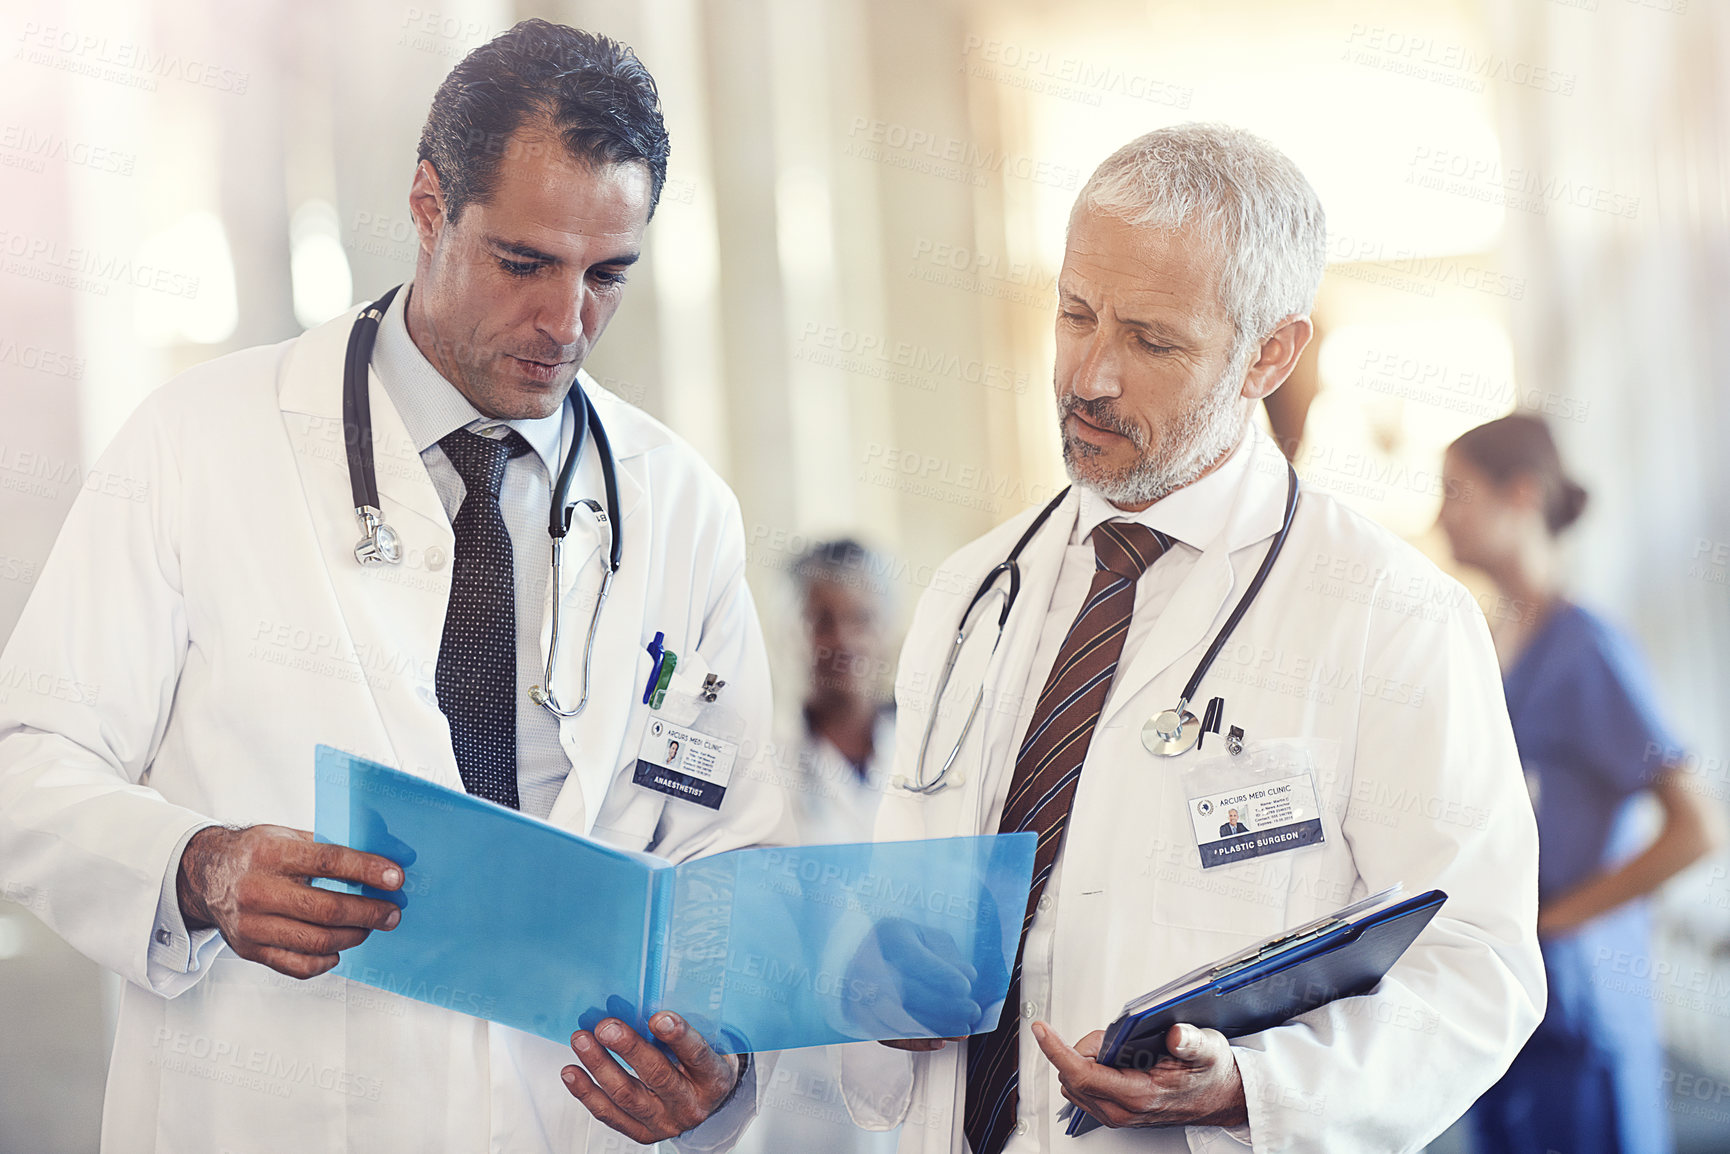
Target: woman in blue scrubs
[(1591, 743)]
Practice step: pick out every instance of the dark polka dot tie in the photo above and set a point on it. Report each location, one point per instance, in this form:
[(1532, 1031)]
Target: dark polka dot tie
[(477, 669)]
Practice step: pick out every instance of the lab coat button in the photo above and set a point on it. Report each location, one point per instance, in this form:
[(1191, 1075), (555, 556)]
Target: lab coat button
[(426, 694), (1044, 903), (1021, 1126), (435, 558), (163, 937), (1029, 1011)]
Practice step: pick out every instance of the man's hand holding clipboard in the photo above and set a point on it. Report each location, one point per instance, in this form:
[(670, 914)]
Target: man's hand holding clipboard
[(1195, 1083), (1167, 1059)]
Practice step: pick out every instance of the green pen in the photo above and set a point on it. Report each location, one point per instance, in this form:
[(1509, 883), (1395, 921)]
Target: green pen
[(669, 660)]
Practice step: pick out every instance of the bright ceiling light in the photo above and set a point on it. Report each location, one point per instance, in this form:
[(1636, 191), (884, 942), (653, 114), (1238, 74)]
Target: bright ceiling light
[(318, 267)]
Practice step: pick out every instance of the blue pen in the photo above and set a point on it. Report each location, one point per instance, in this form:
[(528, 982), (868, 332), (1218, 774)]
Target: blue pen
[(657, 648)]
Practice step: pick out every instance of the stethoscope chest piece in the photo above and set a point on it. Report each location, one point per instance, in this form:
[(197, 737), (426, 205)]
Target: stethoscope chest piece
[(1170, 733), (1173, 732), (381, 545)]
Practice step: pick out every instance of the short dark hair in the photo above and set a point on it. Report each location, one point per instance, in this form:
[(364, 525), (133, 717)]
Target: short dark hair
[(592, 90), (842, 561)]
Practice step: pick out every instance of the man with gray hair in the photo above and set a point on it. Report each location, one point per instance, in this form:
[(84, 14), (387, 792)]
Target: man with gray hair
[(1336, 670)]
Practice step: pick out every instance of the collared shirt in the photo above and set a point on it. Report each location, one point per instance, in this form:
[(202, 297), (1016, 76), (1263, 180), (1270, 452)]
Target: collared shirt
[(431, 407), (834, 800), (1193, 516)]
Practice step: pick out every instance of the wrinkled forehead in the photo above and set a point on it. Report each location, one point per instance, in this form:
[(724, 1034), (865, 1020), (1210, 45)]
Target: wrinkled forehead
[(1176, 271), (541, 186)]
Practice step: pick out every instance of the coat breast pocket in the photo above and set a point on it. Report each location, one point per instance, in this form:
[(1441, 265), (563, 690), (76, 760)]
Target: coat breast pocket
[(629, 813), (1239, 827), (1242, 900), (1245, 899)]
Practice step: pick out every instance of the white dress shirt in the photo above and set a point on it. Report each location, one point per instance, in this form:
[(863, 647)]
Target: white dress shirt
[(833, 801), (1192, 517), (431, 407)]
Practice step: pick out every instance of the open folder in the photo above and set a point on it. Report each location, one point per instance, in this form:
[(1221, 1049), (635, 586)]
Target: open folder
[(1256, 988), (512, 919)]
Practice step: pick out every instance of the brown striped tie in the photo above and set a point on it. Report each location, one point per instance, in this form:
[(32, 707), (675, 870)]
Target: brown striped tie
[(1043, 785)]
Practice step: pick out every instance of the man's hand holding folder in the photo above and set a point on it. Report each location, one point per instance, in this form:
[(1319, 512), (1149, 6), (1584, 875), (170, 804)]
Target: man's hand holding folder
[(1195, 1083), (657, 1097)]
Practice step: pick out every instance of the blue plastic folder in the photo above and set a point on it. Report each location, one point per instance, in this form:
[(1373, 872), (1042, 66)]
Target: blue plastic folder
[(1339, 956), (517, 921)]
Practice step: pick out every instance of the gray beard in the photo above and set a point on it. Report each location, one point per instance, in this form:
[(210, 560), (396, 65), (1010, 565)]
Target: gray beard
[(1187, 449)]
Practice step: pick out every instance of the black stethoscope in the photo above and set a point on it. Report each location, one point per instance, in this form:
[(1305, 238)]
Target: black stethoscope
[(1168, 734), (380, 544)]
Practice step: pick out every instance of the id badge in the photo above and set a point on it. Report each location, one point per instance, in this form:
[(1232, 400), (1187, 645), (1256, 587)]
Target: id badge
[(689, 747), (1258, 802)]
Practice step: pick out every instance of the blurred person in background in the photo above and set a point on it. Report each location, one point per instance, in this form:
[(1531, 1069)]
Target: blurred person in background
[(1591, 742), (846, 730), (835, 756)]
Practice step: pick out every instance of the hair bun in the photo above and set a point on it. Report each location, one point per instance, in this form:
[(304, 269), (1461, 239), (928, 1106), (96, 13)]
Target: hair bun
[(1520, 445), (1569, 504)]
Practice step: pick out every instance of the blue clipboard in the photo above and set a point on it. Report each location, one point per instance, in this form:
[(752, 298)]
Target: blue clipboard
[(1338, 956)]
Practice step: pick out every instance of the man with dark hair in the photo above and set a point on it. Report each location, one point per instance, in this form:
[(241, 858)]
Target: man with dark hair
[(161, 826), (591, 90)]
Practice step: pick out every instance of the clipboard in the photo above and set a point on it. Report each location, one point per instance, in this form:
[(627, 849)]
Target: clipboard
[(1338, 956)]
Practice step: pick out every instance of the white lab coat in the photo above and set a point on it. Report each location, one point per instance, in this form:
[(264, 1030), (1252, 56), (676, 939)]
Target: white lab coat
[(801, 1107), (217, 627), (831, 803), (1382, 667)]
